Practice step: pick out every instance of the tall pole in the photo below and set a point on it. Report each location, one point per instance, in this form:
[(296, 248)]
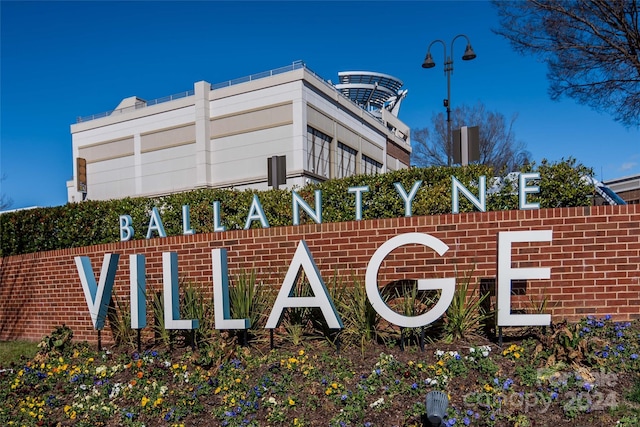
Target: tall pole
[(468, 55), (448, 69)]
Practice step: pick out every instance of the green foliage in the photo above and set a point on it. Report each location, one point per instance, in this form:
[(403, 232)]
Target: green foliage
[(119, 316), (14, 351), (95, 222), (249, 299), (58, 342), (633, 394), (163, 335), (360, 319), (465, 315), (194, 306)]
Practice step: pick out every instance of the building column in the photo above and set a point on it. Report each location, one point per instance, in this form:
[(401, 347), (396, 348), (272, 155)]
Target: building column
[(137, 163), (203, 134)]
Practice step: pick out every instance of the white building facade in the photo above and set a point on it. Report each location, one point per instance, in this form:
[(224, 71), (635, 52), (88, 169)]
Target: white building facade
[(223, 136)]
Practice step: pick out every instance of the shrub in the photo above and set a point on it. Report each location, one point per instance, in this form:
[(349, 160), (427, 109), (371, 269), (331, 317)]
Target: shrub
[(95, 222)]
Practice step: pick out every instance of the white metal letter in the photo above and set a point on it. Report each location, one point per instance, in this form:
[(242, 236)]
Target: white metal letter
[(126, 229), (358, 192), (371, 281), (186, 221), (138, 291), (172, 294), (302, 258), (256, 212), (298, 202), (523, 190), (506, 274), (216, 217), (97, 295), (221, 308), (155, 224), (408, 198), (457, 186)]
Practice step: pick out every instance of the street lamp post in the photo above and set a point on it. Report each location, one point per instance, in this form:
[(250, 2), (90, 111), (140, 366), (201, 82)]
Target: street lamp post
[(468, 55)]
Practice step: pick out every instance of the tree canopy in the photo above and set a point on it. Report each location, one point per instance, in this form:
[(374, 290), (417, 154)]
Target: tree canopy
[(499, 147), (591, 47)]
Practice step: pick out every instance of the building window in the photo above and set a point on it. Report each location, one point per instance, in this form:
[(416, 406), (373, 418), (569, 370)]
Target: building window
[(318, 152), (370, 166), (345, 161)]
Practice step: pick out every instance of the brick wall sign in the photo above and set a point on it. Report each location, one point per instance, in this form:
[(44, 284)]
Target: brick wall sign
[(581, 260)]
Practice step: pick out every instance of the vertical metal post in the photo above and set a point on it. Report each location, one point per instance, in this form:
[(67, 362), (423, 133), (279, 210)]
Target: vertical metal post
[(448, 69)]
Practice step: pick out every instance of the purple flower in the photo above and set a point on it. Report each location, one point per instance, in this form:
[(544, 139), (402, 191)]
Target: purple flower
[(634, 356), (587, 386), (466, 421)]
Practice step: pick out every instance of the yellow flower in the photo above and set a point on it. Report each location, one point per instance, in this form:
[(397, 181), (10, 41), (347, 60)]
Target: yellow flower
[(300, 353), (157, 402), (292, 402), (327, 391), (144, 401), (334, 385)]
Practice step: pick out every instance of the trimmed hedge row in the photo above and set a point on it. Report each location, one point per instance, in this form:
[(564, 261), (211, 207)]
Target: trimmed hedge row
[(94, 222)]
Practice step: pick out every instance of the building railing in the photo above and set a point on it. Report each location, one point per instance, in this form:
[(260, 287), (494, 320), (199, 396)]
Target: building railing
[(294, 66), (142, 104), (137, 106)]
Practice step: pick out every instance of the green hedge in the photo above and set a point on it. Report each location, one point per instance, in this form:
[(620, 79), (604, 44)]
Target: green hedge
[(94, 222)]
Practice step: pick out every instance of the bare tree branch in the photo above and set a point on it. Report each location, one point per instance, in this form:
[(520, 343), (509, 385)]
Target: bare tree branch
[(591, 47), (498, 144)]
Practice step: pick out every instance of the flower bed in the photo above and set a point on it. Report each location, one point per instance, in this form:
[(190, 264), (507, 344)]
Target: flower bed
[(582, 374)]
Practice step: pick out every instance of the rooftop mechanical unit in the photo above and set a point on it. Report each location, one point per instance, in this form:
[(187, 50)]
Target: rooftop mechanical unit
[(372, 91)]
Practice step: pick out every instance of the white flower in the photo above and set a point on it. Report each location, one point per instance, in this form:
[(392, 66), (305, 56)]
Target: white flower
[(439, 353), (272, 400), (115, 390), (377, 403)]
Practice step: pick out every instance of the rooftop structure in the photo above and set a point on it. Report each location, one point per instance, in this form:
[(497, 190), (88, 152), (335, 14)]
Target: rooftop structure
[(627, 187), (224, 135)]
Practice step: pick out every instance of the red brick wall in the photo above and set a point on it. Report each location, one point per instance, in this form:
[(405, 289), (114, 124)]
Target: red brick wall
[(594, 260)]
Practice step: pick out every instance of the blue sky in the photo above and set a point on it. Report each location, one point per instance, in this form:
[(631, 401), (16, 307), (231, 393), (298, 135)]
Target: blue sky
[(61, 60)]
